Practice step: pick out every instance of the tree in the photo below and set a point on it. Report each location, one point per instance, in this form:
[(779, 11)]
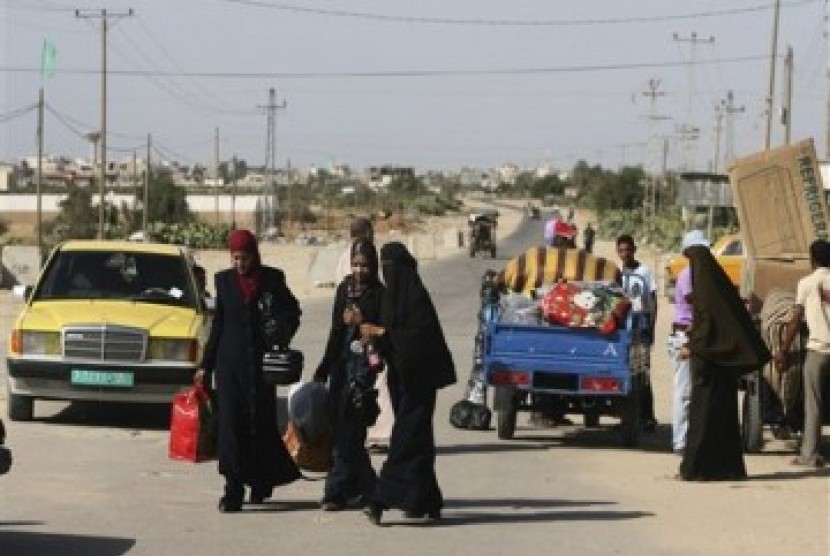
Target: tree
[(78, 218), (623, 190)]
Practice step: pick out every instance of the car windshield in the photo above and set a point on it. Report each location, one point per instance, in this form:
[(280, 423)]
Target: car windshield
[(145, 277)]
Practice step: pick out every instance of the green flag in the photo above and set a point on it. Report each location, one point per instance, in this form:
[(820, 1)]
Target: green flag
[(48, 56)]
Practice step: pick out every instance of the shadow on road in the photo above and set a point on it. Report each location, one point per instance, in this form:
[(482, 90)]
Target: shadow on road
[(274, 506), (510, 510), (55, 544), (456, 519), (520, 503), (110, 414), (787, 475), (501, 446)]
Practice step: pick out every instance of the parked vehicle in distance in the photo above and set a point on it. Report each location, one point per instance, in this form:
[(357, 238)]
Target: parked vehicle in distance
[(728, 251), (107, 321), (483, 232)]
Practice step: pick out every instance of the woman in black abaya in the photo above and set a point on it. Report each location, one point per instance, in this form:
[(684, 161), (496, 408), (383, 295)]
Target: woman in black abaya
[(723, 345), (357, 300), (418, 362)]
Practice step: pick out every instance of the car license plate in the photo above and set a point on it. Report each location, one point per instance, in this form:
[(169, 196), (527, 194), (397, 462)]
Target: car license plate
[(107, 379)]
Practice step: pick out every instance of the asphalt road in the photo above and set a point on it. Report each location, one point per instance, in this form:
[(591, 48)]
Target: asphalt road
[(94, 480)]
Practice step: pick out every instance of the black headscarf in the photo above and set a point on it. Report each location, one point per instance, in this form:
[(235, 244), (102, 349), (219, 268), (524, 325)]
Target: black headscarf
[(722, 331), (400, 275), (367, 249), (416, 346)]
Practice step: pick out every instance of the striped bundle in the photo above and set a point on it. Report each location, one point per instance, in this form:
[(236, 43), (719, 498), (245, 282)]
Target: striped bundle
[(543, 265)]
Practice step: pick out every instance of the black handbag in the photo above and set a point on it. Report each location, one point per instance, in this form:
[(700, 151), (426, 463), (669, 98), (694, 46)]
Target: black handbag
[(282, 366)]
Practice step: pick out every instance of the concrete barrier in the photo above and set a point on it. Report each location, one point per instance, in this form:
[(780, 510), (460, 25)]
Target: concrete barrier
[(422, 246), (321, 273), (20, 265)]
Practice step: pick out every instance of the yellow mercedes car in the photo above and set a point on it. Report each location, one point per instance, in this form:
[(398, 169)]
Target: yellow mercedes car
[(107, 321), (728, 251)]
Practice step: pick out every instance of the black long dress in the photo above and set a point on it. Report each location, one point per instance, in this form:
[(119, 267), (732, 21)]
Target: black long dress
[(250, 449), (352, 473), (724, 344), (419, 363)]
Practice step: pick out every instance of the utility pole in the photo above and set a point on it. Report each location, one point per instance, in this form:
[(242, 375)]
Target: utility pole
[(827, 75), (650, 193), (771, 89), (233, 193), (271, 153), (787, 109), (216, 175), (40, 177), (689, 131), (105, 17), (145, 206), (729, 127)]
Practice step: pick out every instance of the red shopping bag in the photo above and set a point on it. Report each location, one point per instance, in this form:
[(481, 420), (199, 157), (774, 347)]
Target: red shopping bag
[(192, 426)]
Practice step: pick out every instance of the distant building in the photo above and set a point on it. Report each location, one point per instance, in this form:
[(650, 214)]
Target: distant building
[(8, 176)]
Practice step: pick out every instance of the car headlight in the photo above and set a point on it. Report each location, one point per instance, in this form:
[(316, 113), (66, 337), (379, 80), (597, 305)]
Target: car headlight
[(30, 342), (173, 349)]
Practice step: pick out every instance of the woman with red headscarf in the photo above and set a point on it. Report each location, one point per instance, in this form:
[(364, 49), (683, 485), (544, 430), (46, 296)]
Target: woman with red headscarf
[(250, 450)]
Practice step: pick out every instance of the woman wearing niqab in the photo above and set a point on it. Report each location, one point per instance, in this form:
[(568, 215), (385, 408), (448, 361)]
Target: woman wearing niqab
[(251, 452), (419, 363), (723, 344)]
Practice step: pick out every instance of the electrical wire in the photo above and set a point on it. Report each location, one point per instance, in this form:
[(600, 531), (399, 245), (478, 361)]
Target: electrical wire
[(217, 102), (400, 73), (174, 89), (387, 18), (17, 113)]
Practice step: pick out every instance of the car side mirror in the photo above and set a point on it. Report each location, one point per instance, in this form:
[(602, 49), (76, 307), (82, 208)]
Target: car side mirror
[(22, 291)]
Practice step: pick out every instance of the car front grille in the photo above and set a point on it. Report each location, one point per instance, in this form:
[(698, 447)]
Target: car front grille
[(104, 343)]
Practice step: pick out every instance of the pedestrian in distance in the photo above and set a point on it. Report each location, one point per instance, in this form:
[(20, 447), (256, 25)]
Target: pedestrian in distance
[(641, 288), (723, 345), (250, 450), (350, 374), (811, 304), (588, 236), (419, 363)]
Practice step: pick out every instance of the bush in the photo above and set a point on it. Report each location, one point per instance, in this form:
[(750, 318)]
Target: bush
[(192, 234)]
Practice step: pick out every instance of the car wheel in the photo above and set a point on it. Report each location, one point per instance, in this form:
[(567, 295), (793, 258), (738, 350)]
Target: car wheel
[(21, 408)]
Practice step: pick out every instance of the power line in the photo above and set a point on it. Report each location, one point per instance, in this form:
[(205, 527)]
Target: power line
[(391, 18), (17, 113), (399, 73)]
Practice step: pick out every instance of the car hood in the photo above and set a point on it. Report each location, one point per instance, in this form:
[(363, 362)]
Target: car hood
[(158, 320)]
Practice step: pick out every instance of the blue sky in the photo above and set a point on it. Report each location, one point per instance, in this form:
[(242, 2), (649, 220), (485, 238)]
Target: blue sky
[(433, 84)]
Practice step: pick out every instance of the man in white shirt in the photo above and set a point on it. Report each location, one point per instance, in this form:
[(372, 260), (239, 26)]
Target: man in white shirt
[(812, 303), (641, 288)]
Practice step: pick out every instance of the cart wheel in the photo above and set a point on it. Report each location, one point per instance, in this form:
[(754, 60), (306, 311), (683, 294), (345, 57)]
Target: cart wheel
[(630, 414), (506, 425), (752, 423)]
